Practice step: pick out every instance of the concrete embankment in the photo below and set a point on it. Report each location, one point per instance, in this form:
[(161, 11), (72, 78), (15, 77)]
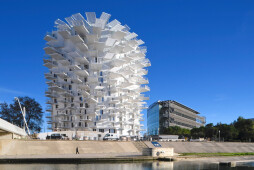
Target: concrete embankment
[(36, 151), (59, 147), (206, 147), (34, 147)]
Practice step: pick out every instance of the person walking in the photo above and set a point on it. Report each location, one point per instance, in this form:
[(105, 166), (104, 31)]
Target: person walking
[(77, 152)]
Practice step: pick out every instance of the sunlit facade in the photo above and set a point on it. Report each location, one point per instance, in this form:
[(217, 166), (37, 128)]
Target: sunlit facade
[(163, 114), (96, 76)]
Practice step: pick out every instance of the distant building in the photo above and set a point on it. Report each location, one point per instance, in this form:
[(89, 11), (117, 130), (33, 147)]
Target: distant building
[(163, 114)]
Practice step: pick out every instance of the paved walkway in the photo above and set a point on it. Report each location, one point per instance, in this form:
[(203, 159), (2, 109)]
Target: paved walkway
[(90, 155), (219, 159), (206, 147)]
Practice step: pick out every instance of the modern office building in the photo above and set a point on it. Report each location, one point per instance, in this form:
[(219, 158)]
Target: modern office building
[(96, 76), (163, 114)]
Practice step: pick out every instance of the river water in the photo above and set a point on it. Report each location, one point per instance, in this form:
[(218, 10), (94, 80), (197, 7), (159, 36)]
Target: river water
[(181, 165)]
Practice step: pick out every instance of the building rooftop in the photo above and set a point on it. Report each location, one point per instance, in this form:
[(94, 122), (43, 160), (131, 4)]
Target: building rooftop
[(176, 103), (183, 106)]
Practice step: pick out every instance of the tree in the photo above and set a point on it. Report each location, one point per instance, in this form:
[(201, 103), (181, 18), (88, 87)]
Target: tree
[(34, 114), (210, 131), (245, 128), (198, 132), (175, 130), (227, 132)]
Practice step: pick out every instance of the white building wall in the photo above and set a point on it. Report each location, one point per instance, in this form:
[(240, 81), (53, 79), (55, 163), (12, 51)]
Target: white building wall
[(96, 76)]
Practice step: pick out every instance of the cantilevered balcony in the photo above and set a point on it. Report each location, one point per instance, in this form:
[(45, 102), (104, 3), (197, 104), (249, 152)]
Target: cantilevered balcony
[(84, 86), (65, 34), (56, 44), (146, 62), (140, 80), (49, 63), (142, 72), (91, 99), (57, 56), (85, 119), (100, 93), (51, 94), (56, 88), (79, 57), (84, 93), (137, 65), (81, 30), (125, 84), (49, 101), (91, 38), (67, 94), (49, 109), (127, 49), (133, 43), (76, 39), (117, 49), (118, 35), (141, 119), (49, 37), (50, 50), (65, 62), (127, 71), (82, 47), (144, 88), (118, 62), (114, 75), (92, 79), (143, 97), (139, 55), (95, 66), (113, 100), (62, 74), (76, 79), (100, 46), (143, 107), (49, 76), (79, 71)]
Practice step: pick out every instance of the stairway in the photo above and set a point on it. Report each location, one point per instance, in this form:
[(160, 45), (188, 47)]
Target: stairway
[(140, 145)]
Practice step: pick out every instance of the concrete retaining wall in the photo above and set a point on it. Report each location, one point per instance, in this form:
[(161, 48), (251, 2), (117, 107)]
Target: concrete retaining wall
[(206, 147), (22, 147), (34, 147), (158, 152)]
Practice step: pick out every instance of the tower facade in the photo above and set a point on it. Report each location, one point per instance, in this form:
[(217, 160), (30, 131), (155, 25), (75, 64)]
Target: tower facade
[(96, 76)]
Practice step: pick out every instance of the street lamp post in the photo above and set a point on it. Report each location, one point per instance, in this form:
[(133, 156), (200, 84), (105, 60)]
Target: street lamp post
[(219, 135)]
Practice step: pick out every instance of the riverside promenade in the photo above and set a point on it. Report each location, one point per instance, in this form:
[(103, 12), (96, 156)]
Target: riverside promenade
[(207, 147), (58, 151)]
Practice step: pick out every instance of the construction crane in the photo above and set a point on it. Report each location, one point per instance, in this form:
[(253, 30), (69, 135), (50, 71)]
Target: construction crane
[(23, 111)]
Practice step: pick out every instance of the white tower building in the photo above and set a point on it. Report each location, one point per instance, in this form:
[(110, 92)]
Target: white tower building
[(96, 76)]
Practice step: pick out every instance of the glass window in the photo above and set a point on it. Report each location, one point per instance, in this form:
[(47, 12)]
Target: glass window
[(153, 119)]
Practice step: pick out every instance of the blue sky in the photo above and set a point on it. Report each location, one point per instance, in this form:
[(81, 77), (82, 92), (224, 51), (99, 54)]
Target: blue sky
[(201, 51)]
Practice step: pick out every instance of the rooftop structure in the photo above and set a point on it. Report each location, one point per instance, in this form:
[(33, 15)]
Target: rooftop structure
[(163, 114), (96, 76), (10, 131)]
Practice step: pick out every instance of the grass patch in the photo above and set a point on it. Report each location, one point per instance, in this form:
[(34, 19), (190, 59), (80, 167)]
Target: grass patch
[(217, 154)]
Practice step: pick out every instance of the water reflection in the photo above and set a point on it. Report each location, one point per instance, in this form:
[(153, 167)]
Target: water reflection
[(125, 166)]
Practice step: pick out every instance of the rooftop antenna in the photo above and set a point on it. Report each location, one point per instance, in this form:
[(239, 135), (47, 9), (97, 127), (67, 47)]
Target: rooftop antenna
[(23, 111)]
